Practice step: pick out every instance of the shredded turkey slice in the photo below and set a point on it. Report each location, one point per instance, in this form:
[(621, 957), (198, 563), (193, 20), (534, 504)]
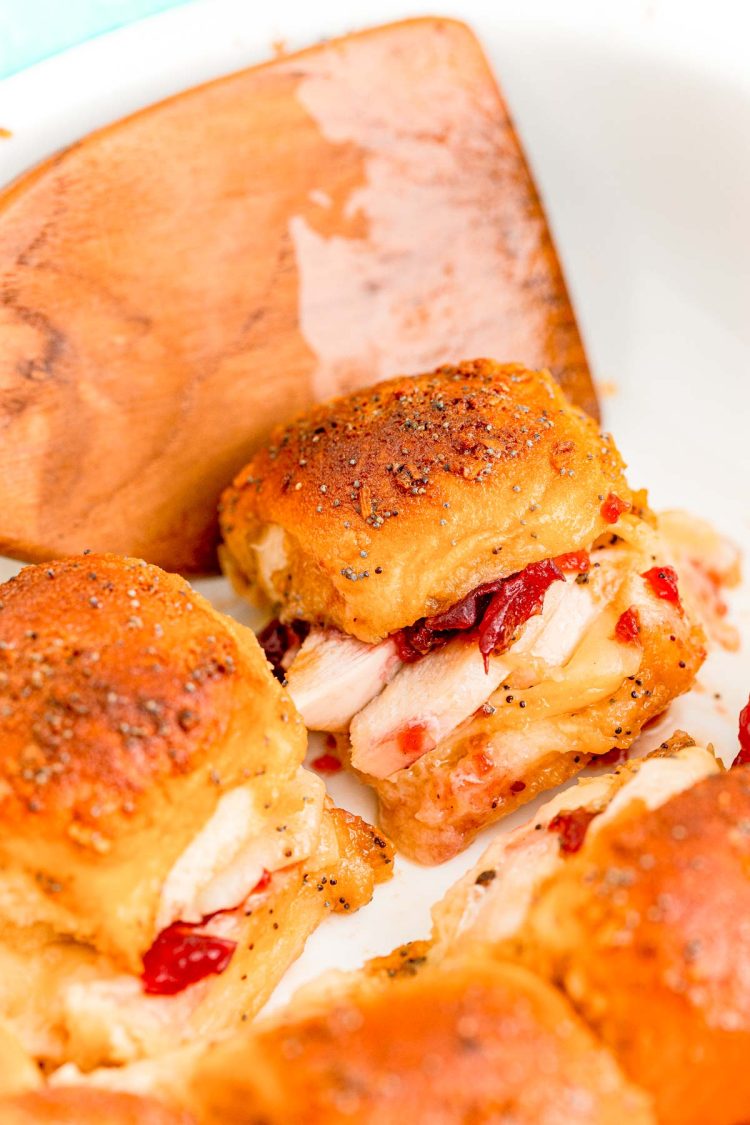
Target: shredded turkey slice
[(228, 857), (334, 676)]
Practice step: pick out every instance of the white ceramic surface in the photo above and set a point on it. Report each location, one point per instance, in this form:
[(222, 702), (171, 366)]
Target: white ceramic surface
[(636, 117)]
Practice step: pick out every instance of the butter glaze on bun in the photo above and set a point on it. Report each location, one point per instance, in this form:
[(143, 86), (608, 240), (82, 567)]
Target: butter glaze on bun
[(375, 509), (84, 1106), (647, 930), (155, 814), (478, 1041), (127, 705)]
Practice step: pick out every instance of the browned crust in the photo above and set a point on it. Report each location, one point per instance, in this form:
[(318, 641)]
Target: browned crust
[(399, 499), (474, 1042), (128, 706), (365, 859), (74, 1105), (113, 676), (464, 801), (647, 929)]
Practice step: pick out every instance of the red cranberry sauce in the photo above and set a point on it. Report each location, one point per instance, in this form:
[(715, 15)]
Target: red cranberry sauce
[(663, 583), (613, 507), (575, 562), (743, 757), (628, 626), (495, 610), (180, 957), (276, 640), (414, 741), (571, 828), (326, 763)]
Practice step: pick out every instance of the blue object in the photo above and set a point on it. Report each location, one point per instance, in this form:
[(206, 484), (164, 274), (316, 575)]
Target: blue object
[(31, 30)]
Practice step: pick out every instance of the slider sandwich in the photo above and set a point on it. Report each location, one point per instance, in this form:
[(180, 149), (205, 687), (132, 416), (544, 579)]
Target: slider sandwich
[(459, 1028), (630, 893), (647, 930), (591, 966), (164, 855), (466, 587)]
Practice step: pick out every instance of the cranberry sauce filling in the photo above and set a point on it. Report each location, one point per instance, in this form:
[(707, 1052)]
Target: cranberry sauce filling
[(520, 597), (572, 828), (743, 757), (663, 583), (628, 626), (414, 741), (495, 610), (575, 562), (276, 640), (613, 507), (179, 957), (262, 883), (326, 763)]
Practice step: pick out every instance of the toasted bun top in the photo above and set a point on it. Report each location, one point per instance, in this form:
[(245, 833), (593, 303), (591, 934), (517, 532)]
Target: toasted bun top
[(396, 501), (466, 1043), (113, 675), (18, 1071), (648, 928), (72, 1105), (127, 705)]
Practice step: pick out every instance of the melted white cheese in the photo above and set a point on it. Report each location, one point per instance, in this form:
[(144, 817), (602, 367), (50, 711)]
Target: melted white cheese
[(660, 779)]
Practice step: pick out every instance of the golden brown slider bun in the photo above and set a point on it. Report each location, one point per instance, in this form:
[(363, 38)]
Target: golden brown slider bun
[(647, 930), (128, 705), (68, 1003), (478, 1041), (375, 509), (74, 1106), (151, 774), (18, 1071)]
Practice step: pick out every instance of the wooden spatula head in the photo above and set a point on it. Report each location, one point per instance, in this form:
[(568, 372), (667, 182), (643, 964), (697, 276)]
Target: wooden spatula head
[(173, 285)]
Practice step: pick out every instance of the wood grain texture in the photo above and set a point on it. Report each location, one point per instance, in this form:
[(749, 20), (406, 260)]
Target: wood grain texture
[(173, 285)]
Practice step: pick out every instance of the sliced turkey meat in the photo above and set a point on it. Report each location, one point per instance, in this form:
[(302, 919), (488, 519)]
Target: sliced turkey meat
[(427, 700), (334, 676)]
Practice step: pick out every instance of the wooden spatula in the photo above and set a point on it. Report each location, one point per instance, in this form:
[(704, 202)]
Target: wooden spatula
[(173, 285)]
